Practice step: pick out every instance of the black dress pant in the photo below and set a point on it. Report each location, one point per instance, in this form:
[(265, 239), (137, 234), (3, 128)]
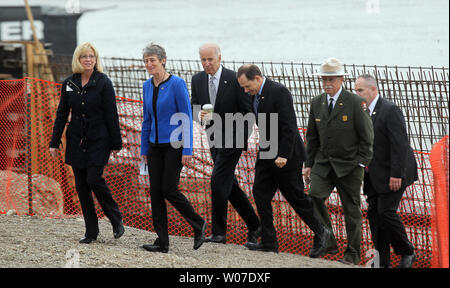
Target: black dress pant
[(165, 166), (224, 188), (90, 180), (269, 178), (386, 225)]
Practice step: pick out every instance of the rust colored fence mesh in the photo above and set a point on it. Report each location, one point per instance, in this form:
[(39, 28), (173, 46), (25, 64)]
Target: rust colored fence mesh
[(33, 183), (439, 165)]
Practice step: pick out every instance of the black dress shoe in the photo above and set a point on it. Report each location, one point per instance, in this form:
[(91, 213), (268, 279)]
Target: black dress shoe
[(320, 244), (155, 248), (261, 247), (199, 236), (118, 232), (332, 250), (253, 236), (216, 239), (346, 262), (87, 240), (407, 261)]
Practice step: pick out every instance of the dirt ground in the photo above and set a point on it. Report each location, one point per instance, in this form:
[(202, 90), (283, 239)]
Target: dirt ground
[(33, 242)]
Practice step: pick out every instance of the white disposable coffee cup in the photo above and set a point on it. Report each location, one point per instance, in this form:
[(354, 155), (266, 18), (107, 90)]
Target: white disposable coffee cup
[(208, 108)]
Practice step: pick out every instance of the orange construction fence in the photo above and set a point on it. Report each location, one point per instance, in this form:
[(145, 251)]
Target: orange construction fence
[(33, 183), (439, 165)]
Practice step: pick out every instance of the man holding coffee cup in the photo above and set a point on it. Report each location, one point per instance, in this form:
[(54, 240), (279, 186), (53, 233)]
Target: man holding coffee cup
[(218, 87)]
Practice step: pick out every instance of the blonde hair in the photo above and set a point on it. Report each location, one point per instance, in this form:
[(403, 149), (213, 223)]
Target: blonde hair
[(80, 50)]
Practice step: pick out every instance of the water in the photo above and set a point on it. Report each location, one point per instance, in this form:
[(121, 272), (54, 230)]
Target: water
[(372, 32)]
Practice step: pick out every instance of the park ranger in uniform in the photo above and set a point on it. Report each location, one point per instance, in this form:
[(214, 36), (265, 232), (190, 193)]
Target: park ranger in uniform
[(339, 147)]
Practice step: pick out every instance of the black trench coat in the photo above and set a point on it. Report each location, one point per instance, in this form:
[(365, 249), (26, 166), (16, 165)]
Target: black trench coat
[(94, 128)]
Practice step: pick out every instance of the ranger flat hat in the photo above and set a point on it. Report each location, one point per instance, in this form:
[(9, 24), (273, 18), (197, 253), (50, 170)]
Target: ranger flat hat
[(331, 67)]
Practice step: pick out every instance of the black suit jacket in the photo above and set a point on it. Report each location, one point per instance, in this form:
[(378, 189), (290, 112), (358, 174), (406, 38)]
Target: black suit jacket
[(276, 98), (392, 154), (230, 99), (94, 128)]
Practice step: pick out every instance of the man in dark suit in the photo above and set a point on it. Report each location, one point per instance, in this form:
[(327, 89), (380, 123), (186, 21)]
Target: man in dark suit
[(339, 146), (392, 169), (218, 86), (279, 165)]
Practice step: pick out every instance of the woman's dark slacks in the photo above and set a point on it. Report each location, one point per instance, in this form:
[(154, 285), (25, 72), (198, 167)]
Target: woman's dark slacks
[(88, 180), (165, 166)]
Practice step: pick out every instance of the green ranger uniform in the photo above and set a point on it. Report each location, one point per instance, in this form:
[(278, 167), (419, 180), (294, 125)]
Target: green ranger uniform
[(338, 146)]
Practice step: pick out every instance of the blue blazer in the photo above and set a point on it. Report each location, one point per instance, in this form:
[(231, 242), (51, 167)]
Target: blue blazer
[(170, 118)]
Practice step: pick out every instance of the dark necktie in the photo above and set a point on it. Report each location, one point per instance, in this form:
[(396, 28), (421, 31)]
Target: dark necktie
[(330, 106), (256, 103)]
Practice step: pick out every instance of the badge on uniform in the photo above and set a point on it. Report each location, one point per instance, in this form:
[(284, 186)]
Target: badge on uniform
[(344, 118), (364, 106), (68, 88)]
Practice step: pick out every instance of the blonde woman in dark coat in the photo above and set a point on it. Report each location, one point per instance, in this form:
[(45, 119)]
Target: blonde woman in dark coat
[(93, 133)]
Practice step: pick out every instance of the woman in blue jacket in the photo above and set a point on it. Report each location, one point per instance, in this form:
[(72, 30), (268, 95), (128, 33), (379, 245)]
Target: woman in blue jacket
[(166, 144)]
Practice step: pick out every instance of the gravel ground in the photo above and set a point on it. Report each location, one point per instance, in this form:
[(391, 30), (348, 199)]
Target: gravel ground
[(34, 242)]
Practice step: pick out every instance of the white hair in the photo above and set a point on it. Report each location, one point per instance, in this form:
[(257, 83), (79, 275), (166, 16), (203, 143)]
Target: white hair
[(211, 45)]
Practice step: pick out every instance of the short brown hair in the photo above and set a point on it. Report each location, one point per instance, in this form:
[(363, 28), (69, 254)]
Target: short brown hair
[(250, 71)]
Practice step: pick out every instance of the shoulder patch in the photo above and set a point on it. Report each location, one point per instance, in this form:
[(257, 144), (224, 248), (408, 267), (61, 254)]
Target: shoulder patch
[(364, 105)]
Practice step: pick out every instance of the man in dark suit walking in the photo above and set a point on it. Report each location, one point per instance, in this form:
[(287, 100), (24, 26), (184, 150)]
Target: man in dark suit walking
[(339, 146), (218, 86), (392, 169), (279, 164)]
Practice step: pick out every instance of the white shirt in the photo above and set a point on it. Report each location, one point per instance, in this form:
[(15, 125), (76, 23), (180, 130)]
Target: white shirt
[(373, 104), (216, 78), (371, 108), (335, 97)]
